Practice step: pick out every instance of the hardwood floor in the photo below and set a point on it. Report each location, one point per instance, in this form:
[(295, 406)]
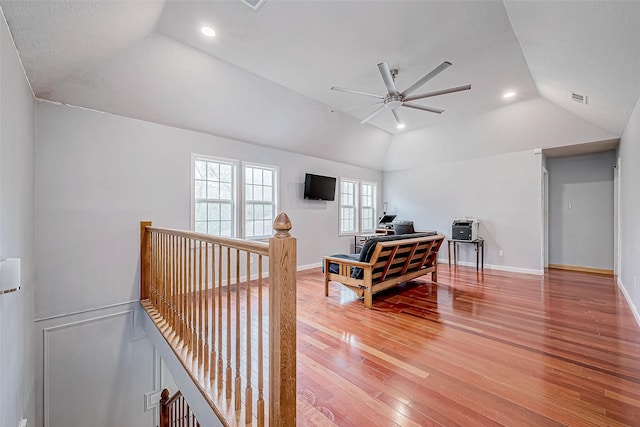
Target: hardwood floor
[(490, 348)]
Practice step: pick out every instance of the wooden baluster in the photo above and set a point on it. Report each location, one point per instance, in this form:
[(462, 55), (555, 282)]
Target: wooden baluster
[(174, 288), (248, 398), (238, 378), (228, 373), (260, 405), (205, 326), (220, 363), (145, 260), (282, 324), (163, 280), (212, 336), (183, 299), (198, 309), (154, 283), (189, 296)]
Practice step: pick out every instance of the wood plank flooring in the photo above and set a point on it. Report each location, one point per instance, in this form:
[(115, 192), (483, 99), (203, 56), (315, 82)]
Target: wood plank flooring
[(490, 348)]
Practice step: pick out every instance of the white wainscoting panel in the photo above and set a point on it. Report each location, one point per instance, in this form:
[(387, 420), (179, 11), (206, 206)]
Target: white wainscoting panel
[(97, 367)]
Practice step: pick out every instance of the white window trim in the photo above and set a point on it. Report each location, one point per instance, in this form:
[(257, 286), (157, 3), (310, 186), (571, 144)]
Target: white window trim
[(374, 202), (236, 194), (242, 195), (356, 199)]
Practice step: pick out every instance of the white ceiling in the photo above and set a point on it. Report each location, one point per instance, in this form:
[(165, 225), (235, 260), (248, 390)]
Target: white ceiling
[(265, 77)]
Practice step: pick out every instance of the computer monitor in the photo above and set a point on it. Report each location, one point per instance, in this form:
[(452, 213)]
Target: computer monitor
[(386, 220)]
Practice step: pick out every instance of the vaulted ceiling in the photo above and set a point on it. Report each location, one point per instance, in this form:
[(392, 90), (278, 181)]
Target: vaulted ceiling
[(266, 76)]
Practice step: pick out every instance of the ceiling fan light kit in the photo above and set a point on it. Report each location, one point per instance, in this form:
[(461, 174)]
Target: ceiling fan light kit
[(394, 99)]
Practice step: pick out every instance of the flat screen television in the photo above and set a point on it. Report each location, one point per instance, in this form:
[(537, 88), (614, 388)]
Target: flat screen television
[(318, 187)]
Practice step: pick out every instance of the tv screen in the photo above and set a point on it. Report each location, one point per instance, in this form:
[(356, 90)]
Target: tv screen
[(318, 187)]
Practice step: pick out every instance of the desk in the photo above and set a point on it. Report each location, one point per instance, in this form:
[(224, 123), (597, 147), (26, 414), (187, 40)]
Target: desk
[(479, 246)]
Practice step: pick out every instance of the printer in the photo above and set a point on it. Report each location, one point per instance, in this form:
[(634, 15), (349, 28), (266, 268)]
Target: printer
[(465, 229)]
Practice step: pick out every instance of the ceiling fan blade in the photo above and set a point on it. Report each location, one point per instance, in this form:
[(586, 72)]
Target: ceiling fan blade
[(370, 116), (355, 107), (438, 93), (358, 92), (397, 116), (423, 108), (440, 68), (388, 78)]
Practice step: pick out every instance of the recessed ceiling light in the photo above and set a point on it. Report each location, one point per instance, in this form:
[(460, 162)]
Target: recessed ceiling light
[(509, 94), (208, 31), (400, 125)]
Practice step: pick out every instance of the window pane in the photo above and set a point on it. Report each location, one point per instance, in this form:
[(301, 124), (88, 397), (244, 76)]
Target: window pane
[(225, 211), (248, 192), (200, 189), (226, 173), (201, 212), (257, 176), (201, 227), (259, 229), (213, 190), (267, 176), (225, 228), (267, 194), (213, 171), (249, 175), (200, 170), (214, 212), (249, 213), (225, 191)]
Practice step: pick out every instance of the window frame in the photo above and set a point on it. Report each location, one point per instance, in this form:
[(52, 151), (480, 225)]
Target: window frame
[(355, 207), (234, 190), (374, 204), (275, 197)]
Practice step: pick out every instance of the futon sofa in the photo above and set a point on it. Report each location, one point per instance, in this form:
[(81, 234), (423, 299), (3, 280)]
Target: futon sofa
[(384, 262)]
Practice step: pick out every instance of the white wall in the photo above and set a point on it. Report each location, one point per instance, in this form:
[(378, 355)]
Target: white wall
[(629, 153), (484, 167), (581, 210), (17, 338), (97, 176), (502, 191)]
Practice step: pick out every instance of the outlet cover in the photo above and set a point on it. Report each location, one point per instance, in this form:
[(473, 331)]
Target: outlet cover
[(23, 423), (500, 252)]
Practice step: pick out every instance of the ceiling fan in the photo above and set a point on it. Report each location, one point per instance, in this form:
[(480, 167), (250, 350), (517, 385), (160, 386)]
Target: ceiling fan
[(394, 99)]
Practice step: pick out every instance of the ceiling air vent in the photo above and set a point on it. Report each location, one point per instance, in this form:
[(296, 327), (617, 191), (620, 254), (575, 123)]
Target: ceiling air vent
[(580, 99), (253, 4)]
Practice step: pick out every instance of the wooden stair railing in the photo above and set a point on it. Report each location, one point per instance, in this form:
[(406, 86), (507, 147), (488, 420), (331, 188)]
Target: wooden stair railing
[(175, 411), (198, 290)]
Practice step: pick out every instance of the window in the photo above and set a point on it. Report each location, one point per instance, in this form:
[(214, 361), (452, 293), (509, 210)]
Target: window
[(214, 189), (260, 192), (348, 206), (368, 207), (221, 203)]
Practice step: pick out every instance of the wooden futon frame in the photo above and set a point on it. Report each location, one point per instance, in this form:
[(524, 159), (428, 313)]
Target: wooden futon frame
[(391, 262)]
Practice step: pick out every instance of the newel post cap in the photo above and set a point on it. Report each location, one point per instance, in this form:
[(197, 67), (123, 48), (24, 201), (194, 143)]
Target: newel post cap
[(282, 225)]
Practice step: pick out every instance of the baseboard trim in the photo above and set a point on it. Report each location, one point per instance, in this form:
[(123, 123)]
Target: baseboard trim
[(309, 266), (582, 269), (632, 306), (496, 267)]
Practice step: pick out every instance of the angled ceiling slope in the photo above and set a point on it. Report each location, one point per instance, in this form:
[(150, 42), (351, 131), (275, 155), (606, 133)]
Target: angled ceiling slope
[(273, 68), (586, 47)]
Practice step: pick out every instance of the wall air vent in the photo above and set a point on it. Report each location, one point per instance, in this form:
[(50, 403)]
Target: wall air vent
[(253, 4), (580, 99)]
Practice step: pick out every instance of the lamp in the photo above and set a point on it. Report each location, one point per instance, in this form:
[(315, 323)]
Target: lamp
[(9, 275)]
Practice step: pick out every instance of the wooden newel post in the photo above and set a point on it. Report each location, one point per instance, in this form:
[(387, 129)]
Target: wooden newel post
[(145, 260), (164, 408), (282, 324)]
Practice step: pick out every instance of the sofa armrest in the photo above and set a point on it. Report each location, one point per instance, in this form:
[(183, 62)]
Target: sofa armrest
[(345, 261)]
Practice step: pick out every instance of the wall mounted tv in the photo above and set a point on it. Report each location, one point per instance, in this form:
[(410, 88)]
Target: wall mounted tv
[(318, 187)]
